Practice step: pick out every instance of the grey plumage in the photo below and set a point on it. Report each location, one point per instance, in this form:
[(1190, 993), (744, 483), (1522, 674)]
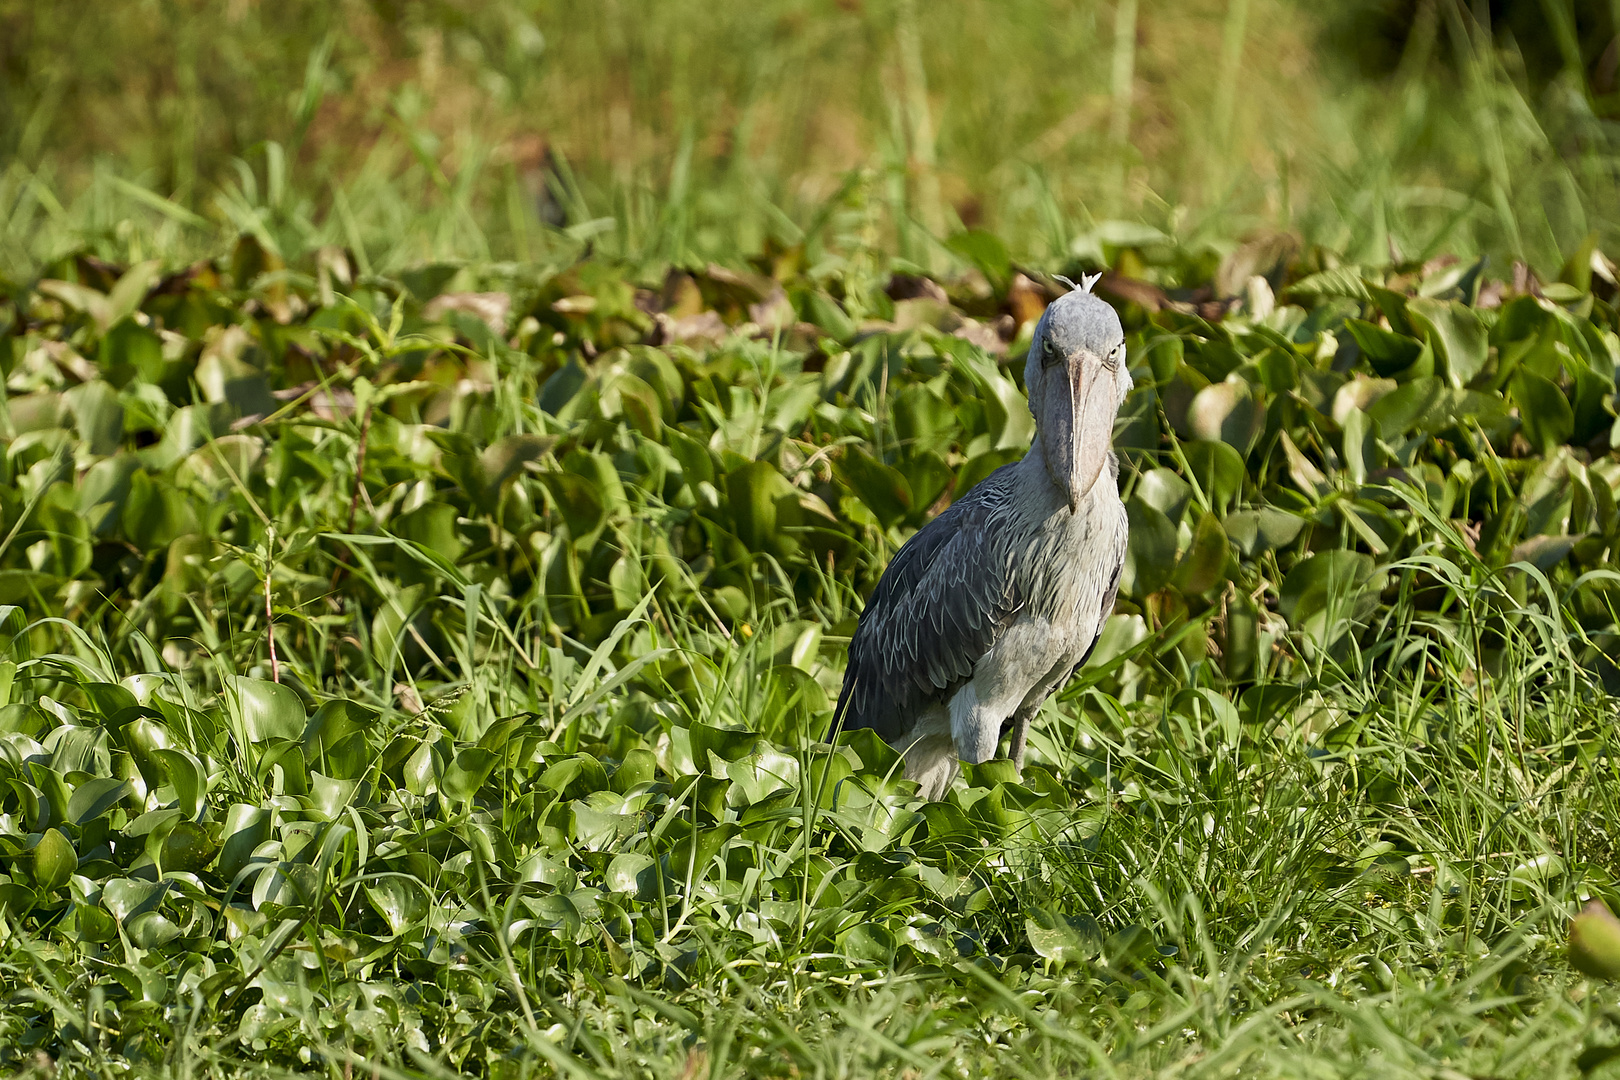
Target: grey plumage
[(992, 605)]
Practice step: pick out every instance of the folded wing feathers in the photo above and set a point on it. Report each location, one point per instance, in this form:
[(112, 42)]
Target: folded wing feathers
[(939, 608)]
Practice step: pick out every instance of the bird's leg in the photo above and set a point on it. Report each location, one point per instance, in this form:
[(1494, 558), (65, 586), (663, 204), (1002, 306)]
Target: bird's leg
[(1020, 736)]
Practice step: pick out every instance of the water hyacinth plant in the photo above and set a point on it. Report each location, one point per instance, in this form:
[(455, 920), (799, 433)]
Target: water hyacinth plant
[(428, 673)]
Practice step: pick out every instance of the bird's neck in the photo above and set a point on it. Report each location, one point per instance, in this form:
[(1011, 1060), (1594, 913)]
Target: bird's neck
[(1034, 464), (1035, 460)]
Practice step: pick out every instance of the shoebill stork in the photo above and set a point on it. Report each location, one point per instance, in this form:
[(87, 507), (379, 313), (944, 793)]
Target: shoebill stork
[(995, 603)]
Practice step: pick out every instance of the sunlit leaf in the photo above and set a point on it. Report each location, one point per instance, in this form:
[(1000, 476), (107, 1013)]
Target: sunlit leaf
[(54, 861), (263, 710)]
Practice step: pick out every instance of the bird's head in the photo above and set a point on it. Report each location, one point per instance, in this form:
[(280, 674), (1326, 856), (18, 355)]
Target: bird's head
[(1077, 380)]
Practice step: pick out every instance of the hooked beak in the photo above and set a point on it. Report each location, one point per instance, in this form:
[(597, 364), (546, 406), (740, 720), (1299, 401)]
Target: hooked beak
[(1075, 436)]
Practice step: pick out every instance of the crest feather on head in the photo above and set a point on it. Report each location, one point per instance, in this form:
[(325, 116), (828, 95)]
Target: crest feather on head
[(1086, 281)]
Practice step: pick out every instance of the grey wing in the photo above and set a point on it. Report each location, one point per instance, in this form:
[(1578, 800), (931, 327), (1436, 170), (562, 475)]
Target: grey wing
[(940, 606)]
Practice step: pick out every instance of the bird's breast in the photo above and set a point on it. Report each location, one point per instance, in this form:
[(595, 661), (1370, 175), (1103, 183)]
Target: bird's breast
[(1071, 559)]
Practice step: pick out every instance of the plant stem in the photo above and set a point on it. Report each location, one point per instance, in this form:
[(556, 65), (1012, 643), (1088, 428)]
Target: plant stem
[(359, 468), (1124, 74), (1232, 36), (919, 121), (269, 613)]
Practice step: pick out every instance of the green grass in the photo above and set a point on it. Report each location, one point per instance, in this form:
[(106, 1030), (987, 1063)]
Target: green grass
[(681, 131), (532, 783)]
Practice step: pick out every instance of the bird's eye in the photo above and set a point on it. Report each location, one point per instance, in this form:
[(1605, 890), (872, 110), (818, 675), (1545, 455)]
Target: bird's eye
[(1115, 355), (1049, 353)]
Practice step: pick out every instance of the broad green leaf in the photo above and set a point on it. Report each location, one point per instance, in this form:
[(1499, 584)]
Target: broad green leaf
[(468, 772), (127, 897), (1389, 353), (1217, 469), (927, 476), (1204, 561), (1165, 492), (596, 830), (869, 942), (333, 722), (67, 533), (1007, 415), (626, 396), (762, 774), (1360, 393), (129, 350), (1150, 552), (151, 930), (1226, 412), (1325, 593), (795, 700), (54, 861), (187, 848), (94, 924), (1358, 445), (640, 766), (1128, 947), (763, 509), (1121, 635), (924, 421), (877, 757), (627, 582), (433, 526), (328, 795), (983, 250), (261, 710), (827, 771), (94, 798), (155, 514), (1392, 304), (726, 745), (827, 314), (143, 737), (579, 503), (245, 828), (189, 778), (499, 735), (1240, 644), (1403, 409), (545, 871), (1254, 532), (388, 627), (99, 416), (697, 461), (109, 699), (130, 289), (505, 459), (1543, 552), (995, 771), (1060, 940), (632, 872), (1533, 878), (48, 781), (400, 901), (1544, 412), (227, 380), (1455, 331)]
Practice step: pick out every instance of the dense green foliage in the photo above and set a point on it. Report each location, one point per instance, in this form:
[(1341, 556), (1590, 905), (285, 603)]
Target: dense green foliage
[(429, 674)]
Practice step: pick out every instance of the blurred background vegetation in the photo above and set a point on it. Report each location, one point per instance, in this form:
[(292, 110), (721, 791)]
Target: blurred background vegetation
[(676, 130)]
